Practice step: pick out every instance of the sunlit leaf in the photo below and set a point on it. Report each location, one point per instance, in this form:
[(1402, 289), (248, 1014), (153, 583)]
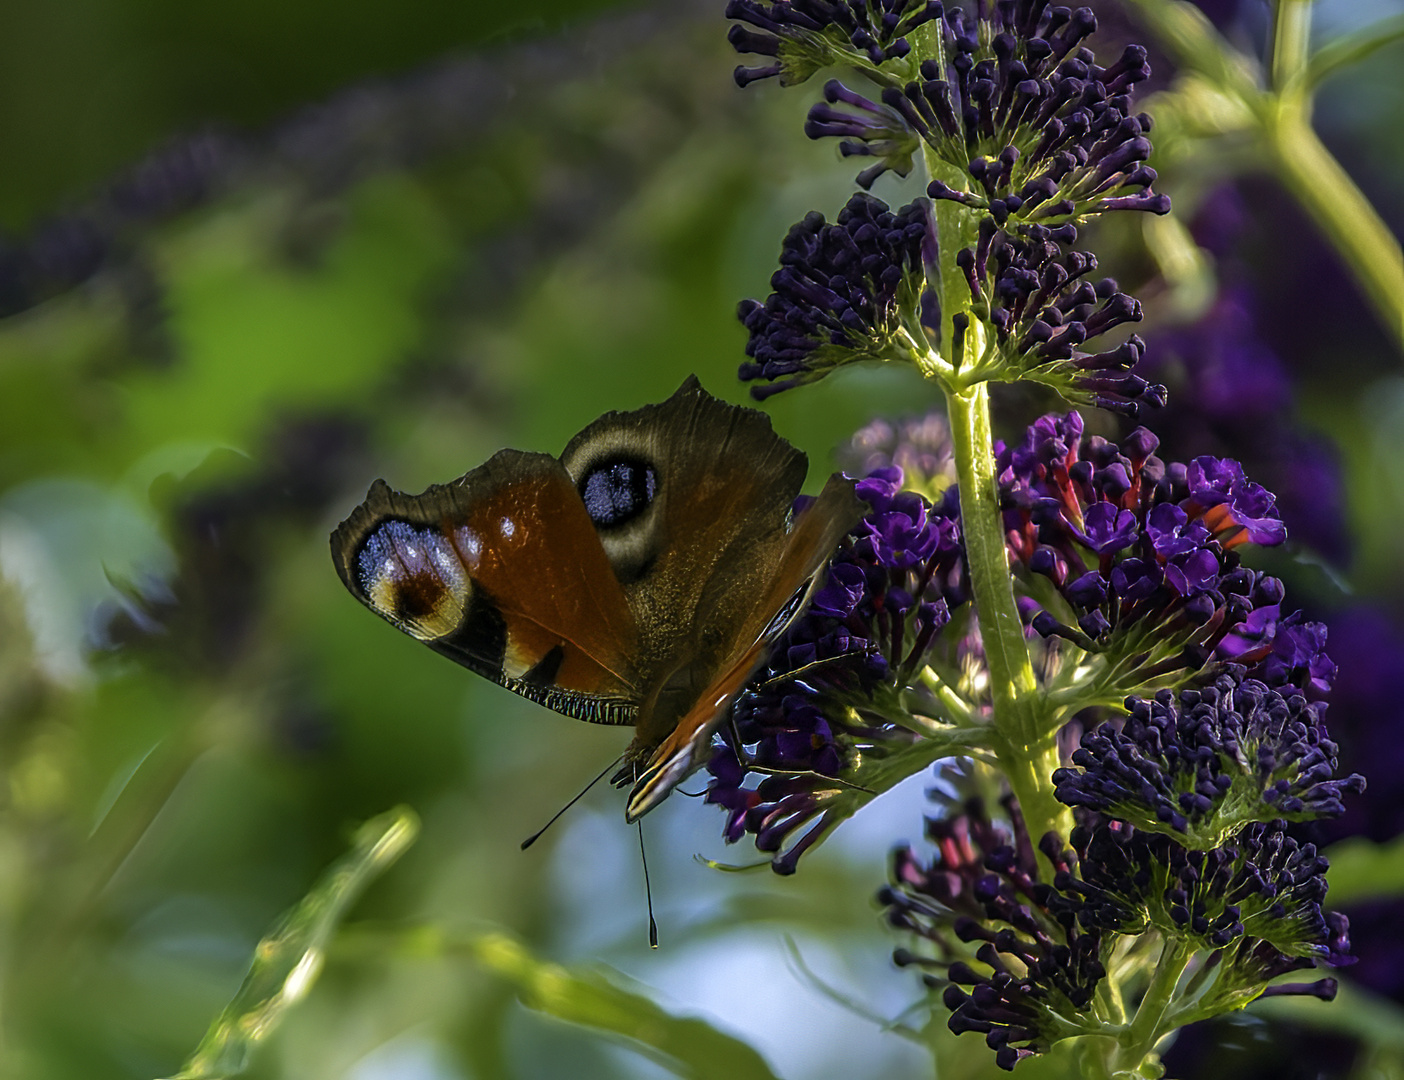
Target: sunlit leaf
[(688, 1046), (288, 960), (1363, 870)]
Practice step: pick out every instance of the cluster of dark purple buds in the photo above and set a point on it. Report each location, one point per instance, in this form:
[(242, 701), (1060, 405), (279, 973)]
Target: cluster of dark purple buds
[(1210, 761), (1258, 893), (1044, 133), (841, 294), (1031, 951), (804, 36), (1044, 308), (1030, 965), (824, 700), (1143, 554)]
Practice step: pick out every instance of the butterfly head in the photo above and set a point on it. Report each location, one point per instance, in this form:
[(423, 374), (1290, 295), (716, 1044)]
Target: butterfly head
[(657, 781)]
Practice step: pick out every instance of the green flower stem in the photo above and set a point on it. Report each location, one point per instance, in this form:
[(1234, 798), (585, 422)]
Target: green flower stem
[(957, 708), (1011, 673), (1289, 42), (1340, 211), (1027, 754), (1029, 769), (1282, 114), (1316, 179), (1022, 743), (1139, 1039)]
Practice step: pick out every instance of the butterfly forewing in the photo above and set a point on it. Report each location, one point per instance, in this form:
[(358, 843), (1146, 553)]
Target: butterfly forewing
[(502, 572)]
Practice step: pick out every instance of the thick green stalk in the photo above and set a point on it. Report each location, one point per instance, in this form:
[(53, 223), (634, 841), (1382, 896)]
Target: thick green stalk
[(1282, 110), (1139, 1039), (1289, 43), (1011, 674), (1343, 214), (1026, 753), (1316, 179), (1029, 769)]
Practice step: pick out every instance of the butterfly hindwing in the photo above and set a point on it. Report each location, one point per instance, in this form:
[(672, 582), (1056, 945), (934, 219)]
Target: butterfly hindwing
[(695, 563)]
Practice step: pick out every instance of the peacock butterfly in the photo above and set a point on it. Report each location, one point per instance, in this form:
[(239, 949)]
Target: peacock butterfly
[(637, 579)]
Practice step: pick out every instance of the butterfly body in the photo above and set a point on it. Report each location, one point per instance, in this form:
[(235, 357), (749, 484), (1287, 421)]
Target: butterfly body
[(638, 579)]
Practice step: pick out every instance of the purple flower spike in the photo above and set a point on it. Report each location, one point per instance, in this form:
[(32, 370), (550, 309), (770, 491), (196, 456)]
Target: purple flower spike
[(1204, 766), (842, 294), (1135, 546)]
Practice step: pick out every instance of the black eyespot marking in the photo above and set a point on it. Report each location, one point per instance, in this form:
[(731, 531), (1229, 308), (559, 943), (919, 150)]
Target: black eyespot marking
[(617, 491)]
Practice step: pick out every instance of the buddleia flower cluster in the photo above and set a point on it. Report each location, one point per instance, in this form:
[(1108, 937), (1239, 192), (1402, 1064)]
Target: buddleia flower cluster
[(839, 712), (845, 291), (1200, 766), (1025, 133), (1181, 885), (1136, 563), (1014, 101), (1005, 950), (1125, 715)]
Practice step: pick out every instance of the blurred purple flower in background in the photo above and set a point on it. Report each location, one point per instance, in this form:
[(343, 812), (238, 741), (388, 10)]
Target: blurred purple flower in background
[(1231, 394)]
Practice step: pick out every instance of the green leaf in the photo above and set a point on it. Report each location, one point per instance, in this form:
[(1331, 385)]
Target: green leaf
[(690, 1047), (1186, 33), (1363, 870), (288, 960), (1350, 49)]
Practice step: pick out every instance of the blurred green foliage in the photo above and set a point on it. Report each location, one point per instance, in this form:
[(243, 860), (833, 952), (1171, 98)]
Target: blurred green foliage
[(195, 717)]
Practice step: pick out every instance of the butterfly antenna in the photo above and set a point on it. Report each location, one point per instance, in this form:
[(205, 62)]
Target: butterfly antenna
[(767, 771), (648, 892), (803, 669), (534, 837), (747, 763)]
